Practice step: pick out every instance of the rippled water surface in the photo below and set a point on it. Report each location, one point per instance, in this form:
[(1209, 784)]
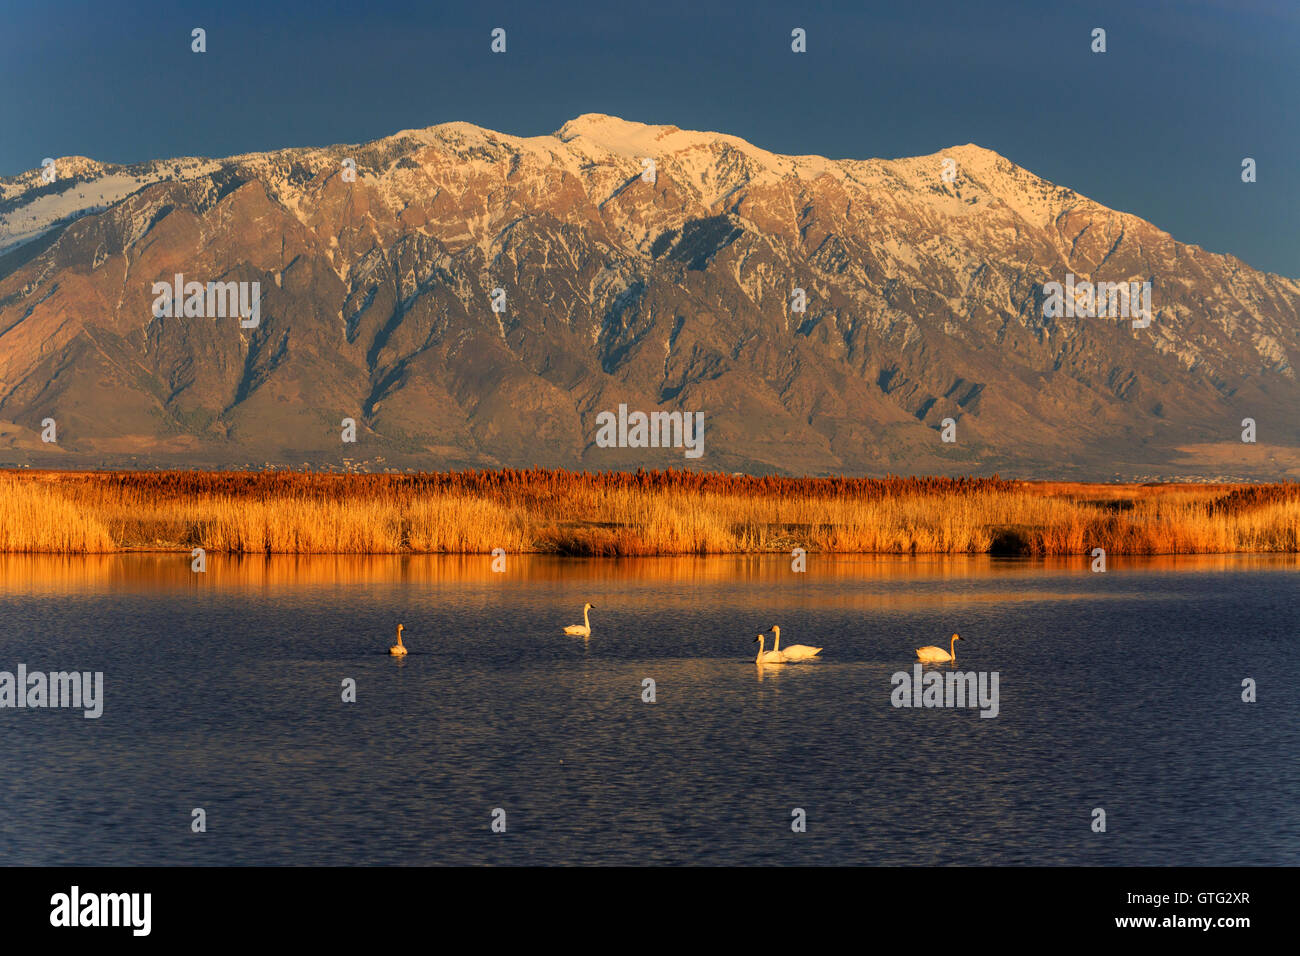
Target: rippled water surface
[(1119, 690)]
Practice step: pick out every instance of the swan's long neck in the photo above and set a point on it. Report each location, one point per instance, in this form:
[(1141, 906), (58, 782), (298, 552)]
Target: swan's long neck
[(952, 648), (759, 658), (399, 637), (777, 631), (586, 620)]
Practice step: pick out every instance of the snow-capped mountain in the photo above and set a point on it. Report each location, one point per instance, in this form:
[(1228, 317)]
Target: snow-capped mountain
[(641, 265)]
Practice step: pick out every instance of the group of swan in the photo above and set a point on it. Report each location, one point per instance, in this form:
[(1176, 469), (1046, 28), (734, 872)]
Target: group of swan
[(802, 652), (578, 630), (794, 652)]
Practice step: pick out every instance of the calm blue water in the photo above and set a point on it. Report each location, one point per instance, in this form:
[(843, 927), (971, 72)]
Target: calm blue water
[(223, 691)]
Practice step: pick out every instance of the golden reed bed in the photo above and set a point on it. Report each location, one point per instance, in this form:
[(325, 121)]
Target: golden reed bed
[(634, 514)]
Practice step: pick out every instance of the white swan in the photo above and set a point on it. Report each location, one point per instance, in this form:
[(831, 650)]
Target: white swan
[(937, 655), (770, 657), (398, 649), (583, 629), (795, 652)]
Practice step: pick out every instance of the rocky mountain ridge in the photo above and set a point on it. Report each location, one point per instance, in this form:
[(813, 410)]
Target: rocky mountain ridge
[(663, 287)]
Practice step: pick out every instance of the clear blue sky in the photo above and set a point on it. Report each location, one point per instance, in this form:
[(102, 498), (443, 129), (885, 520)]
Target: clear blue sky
[(1157, 126)]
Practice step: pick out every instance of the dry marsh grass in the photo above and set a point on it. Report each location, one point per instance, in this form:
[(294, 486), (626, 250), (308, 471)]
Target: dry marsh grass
[(630, 514)]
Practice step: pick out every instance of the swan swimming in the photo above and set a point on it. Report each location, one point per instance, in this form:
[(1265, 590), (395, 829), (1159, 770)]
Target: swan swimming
[(768, 657), (398, 649), (938, 655), (795, 652), (583, 629)]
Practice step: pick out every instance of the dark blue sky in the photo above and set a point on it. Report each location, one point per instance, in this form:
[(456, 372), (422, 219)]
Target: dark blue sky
[(1157, 126)]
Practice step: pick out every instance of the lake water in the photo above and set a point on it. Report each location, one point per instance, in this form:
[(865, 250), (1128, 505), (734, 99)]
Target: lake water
[(1119, 691)]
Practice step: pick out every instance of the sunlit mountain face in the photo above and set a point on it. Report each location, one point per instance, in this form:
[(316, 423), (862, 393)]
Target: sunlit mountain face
[(470, 298)]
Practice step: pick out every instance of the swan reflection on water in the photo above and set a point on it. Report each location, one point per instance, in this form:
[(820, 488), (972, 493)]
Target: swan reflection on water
[(780, 672)]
